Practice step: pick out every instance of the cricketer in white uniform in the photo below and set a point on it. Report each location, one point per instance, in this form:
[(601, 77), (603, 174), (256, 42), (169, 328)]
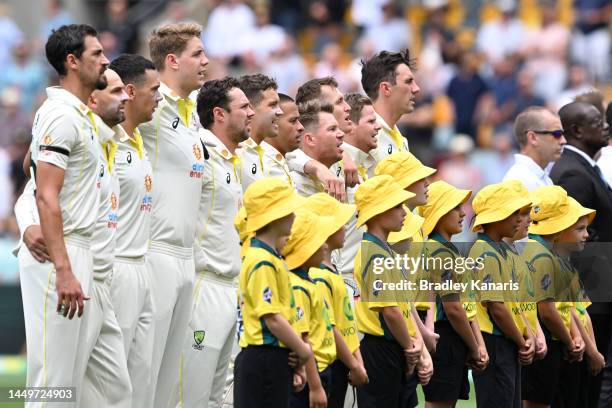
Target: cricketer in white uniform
[(131, 284), (211, 334), (177, 157), (63, 135)]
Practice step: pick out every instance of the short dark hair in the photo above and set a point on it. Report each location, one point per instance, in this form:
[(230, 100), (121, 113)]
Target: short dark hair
[(284, 98), (380, 68), (528, 119), (212, 94), (131, 68), (609, 114), (356, 101), (309, 112), (255, 85), (68, 39), (594, 97), (311, 90)]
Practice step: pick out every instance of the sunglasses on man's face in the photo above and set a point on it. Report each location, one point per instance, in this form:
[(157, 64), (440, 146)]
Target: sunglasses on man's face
[(557, 134)]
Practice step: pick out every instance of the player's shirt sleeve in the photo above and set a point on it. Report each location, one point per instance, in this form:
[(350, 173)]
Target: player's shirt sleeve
[(263, 287), (324, 287), (375, 275), (26, 211), (297, 159), (544, 267), (58, 141), (491, 273)]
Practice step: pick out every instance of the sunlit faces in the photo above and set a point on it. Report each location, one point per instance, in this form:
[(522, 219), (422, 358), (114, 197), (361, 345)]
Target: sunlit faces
[(290, 128), (91, 65), (403, 93), (238, 118), (574, 237), (452, 221), (548, 146), (333, 96), (420, 189), (145, 96), (524, 222), (326, 139), (267, 113), (192, 64), (390, 220), (367, 129), (109, 103)]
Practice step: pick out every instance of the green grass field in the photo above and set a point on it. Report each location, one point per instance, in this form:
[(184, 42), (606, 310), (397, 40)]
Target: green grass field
[(13, 370)]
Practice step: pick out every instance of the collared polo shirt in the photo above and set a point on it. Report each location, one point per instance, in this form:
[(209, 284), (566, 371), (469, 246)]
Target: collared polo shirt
[(390, 140), (306, 185), (252, 162), (529, 172), (275, 164), (135, 177), (64, 134), (177, 157), (217, 249), (264, 288), (335, 293)]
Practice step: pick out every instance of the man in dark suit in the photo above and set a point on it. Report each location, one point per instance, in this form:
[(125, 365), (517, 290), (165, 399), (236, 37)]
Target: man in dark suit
[(577, 172)]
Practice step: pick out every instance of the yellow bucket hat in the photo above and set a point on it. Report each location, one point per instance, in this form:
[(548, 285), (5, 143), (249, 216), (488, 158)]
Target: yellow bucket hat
[(268, 199), (325, 205), (412, 224), (377, 195), (553, 211), (308, 233), (245, 237), (442, 198), (581, 210), (404, 167), (496, 202)]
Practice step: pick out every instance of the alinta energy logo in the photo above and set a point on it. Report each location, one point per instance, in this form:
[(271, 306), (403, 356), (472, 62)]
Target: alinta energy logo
[(197, 169)]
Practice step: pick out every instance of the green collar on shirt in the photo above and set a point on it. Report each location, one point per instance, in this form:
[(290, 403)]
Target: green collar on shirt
[(439, 238), (498, 246), (302, 273), (257, 243)]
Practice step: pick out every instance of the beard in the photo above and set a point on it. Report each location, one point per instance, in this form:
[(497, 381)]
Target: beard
[(101, 83)]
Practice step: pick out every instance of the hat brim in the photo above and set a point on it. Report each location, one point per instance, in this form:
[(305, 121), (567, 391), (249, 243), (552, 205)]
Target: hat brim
[(455, 198), (411, 225), (305, 248), (500, 213), (343, 216), (555, 225), (278, 211), (422, 173), (385, 203)]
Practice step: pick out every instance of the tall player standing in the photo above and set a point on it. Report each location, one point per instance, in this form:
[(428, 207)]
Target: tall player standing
[(131, 284), (177, 157), (65, 155)]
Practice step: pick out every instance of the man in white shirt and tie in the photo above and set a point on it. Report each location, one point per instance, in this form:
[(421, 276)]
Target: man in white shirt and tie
[(541, 138)]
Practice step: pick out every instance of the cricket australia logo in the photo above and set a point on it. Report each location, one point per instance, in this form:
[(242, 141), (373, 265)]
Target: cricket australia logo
[(198, 338)]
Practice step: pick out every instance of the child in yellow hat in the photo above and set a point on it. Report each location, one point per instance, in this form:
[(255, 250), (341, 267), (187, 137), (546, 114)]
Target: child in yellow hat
[(461, 343), (497, 208), (412, 175), (551, 214), (305, 249), (392, 346), (576, 391), (262, 375), (525, 310), (329, 281)]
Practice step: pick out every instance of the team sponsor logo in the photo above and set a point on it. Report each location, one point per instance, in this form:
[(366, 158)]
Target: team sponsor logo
[(536, 209), (390, 149), (267, 295), (197, 152), (113, 200), (254, 169), (299, 313), (488, 279), (128, 157), (175, 122), (47, 140), (148, 183), (446, 276), (198, 338)]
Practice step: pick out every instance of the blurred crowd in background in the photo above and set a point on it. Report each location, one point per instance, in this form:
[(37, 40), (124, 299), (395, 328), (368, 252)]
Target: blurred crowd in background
[(479, 63)]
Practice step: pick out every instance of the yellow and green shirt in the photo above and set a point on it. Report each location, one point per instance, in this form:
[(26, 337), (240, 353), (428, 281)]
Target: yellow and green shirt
[(522, 272), (546, 271), (496, 270), (369, 314), (336, 295), (442, 253), (264, 288), (314, 317), (576, 293)]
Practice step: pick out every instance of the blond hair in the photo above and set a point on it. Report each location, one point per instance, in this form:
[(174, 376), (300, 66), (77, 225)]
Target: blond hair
[(171, 39)]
